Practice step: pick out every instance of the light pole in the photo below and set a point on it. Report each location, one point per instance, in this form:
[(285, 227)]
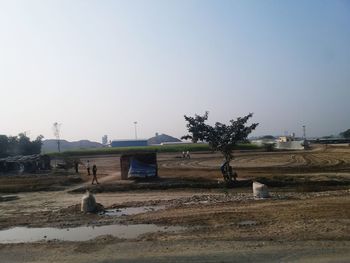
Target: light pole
[(135, 122)]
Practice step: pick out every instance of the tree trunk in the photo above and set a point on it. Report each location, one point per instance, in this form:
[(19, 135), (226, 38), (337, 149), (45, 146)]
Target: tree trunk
[(227, 172)]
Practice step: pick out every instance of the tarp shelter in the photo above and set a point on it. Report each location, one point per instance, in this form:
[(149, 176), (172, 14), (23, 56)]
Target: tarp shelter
[(138, 165), (27, 163)]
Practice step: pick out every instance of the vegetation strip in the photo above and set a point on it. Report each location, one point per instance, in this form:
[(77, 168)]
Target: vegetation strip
[(193, 147)]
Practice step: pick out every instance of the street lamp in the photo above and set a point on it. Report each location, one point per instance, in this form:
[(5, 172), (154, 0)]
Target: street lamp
[(135, 122)]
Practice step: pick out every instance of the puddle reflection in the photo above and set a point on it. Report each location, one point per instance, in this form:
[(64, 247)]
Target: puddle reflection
[(24, 235)]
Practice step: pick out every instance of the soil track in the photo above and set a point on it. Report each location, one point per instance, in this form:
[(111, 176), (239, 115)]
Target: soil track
[(316, 159), (310, 211)]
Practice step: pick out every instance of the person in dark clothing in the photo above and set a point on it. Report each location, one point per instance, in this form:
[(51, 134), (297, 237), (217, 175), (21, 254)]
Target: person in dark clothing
[(94, 174), (76, 166), (223, 168)]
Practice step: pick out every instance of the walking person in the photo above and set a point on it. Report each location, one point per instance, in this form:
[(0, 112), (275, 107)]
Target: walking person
[(88, 167), (94, 174)]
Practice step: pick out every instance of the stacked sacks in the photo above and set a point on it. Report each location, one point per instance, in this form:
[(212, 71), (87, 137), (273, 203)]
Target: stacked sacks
[(260, 190), (88, 203)]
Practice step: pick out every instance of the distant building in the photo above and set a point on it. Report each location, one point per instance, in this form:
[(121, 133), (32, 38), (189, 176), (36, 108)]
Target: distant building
[(129, 143), (104, 139), (162, 138), (290, 143), (285, 139)]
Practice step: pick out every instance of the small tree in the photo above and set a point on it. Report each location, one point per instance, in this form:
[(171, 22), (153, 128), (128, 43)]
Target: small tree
[(221, 137)]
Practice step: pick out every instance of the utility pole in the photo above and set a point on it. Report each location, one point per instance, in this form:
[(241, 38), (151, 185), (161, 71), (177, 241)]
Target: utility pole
[(135, 122), (304, 132)]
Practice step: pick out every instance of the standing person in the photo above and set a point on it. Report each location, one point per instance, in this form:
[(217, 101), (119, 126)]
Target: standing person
[(94, 173), (76, 166), (88, 167)]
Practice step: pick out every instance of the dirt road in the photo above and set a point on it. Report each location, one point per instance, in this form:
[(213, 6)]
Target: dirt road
[(307, 218)]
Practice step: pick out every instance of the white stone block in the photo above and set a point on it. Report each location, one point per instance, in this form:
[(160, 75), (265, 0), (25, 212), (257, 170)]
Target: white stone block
[(88, 203), (260, 190)]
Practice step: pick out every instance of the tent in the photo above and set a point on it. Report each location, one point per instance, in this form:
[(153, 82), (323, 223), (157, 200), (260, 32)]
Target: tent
[(139, 165)]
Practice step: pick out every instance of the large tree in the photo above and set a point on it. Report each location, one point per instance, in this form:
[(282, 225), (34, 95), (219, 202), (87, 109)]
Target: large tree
[(220, 137)]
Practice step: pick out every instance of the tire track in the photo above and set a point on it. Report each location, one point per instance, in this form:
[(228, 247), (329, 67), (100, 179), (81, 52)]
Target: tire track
[(265, 160)]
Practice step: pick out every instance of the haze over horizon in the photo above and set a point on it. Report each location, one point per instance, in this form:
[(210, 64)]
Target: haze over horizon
[(98, 66)]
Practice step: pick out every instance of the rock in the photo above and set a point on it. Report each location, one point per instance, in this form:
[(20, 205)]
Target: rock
[(260, 190), (88, 203)]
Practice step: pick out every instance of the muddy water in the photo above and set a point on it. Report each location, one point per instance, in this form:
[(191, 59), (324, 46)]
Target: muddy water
[(24, 235), (132, 210)]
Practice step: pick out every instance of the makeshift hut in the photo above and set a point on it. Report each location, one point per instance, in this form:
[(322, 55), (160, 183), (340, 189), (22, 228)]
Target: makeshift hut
[(28, 163), (138, 165)]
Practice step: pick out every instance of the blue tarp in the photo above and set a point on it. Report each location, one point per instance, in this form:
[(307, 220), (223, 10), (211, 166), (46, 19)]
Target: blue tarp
[(141, 170)]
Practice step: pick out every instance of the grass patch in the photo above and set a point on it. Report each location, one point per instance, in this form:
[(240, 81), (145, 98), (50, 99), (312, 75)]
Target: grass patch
[(194, 147)]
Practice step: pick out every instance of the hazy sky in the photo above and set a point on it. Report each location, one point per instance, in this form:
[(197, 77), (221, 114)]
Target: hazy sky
[(98, 66)]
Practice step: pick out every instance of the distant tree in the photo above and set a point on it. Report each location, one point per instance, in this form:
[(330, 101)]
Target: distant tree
[(4, 144), (13, 145), (27, 147), (328, 137), (345, 134), (19, 145), (221, 137), (36, 144), (24, 144), (268, 137), (57, 133)]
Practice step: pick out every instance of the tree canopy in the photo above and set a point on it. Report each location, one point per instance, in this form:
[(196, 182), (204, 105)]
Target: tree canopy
[(345, 134), (220, 137), (19, 145)]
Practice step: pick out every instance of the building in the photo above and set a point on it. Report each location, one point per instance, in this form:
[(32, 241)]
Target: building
[(25, 164), (290, 143), (129, 143)]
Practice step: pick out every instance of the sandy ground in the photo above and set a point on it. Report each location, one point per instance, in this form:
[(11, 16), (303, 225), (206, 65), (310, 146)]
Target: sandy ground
[(307, 218)]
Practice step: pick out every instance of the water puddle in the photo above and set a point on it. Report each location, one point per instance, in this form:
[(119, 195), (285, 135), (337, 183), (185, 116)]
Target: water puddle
[(132, 210), (6, 198), (84, 233)]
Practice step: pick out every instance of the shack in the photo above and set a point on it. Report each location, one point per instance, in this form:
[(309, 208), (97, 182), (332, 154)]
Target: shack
[(138, 165), (25, 164)]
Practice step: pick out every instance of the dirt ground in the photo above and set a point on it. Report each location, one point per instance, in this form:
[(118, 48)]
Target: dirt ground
[(307, 218)]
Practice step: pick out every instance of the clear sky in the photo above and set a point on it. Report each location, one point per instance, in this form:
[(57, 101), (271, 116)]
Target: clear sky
[(98, 66)]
